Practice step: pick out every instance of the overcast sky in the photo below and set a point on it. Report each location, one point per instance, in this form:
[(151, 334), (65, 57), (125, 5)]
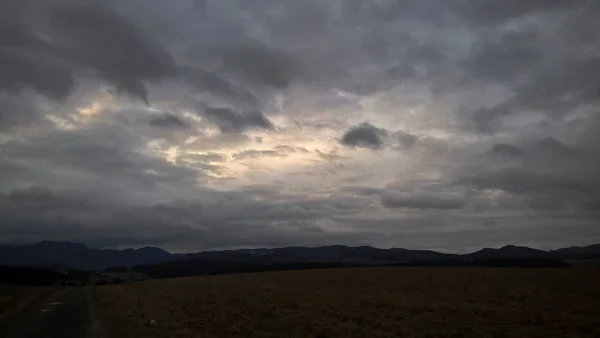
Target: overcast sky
[(206, 124)]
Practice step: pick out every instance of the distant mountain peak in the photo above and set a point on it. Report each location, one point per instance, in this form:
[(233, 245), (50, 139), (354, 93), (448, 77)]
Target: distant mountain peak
[(80, 256), (507, 251), (151, 248)]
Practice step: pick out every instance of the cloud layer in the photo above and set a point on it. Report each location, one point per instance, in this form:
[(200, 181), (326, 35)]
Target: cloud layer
[(192, 125)]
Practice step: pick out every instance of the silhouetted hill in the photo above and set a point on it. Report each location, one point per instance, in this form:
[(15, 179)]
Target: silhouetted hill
[(577, 252), (334, 253), (77, 256), (509, 251)]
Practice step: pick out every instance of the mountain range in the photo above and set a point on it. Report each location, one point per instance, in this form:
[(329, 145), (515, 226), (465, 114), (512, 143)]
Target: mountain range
[(79, 256), (61, 255)]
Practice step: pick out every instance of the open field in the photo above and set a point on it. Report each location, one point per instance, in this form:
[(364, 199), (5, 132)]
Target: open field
[(361, 302), (14, 298)]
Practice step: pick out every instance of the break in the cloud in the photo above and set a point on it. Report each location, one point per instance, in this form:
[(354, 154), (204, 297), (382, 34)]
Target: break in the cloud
[(216, 124)]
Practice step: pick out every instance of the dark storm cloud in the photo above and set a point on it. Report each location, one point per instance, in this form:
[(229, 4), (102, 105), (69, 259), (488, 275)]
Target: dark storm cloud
[(540, 187), (18, 110), (422, 200), (518, 180), (39, 213), (215, 84), (94, 158), (47, 44), (104, 40), (545, 62), (504, 58), (364, 135), (553, 148), (21, 71), (25, 59), (252, 60), (545, 173), (506, 149), (168, 120), (574, 84), (229, 120), (490, 12)]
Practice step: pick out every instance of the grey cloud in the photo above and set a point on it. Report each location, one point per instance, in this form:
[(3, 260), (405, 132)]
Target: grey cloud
[(422, 200), (217, 220), (187, 226), (25, 59), (491, 12), (105, 156), (43, 198), (215, 84), (524, 180), (22, 71), (524, 58), (523, 142), (539, 186), (489, 120), (212, 143), (48, 44), (504, 149), (229, 120), (251, 59), (290, 149), (278, 151), (363, 191), (18, 110), (106, 41), (168, 120), (364, 135), (504, 58), (207, 157), (540, 153), (402, 140), (262, 189), (249, 154), (573, 84), (549, 146)]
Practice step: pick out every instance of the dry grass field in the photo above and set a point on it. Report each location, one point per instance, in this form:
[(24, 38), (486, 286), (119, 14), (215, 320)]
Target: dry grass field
[(13, 298), (361, 302)]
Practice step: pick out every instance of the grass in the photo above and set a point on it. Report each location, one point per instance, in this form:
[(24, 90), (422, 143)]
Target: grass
[(14, 298), (361, 302)]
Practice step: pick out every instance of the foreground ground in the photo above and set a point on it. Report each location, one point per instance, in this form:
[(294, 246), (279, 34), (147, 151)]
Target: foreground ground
[(365, 302), (14, 298), (55, 312)]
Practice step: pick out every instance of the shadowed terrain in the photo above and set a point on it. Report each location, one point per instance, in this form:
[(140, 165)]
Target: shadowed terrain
[(361, 302)]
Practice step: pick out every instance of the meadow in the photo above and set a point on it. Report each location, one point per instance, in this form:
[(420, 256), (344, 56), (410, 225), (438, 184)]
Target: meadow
[(14, 298), (361, 302)]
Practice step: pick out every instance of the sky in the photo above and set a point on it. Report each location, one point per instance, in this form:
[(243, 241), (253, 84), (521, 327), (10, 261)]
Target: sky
[(211, 124)]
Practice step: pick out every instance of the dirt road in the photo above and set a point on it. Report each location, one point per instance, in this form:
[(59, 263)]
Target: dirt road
[(68, 313)]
